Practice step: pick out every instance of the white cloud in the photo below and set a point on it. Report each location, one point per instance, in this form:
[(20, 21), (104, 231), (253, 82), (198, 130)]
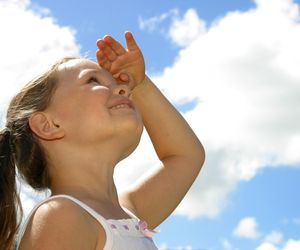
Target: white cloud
[(20, 3), (163, 246), (130, 169), (274, 237), (286, 7), (30, 41), (184, 31), (267, 246), (153, 23), (30, 197), (247, 228), (227, 245), (244, 72), (292, 245)]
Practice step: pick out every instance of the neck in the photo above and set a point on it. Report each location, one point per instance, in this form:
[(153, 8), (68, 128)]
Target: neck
[(84, 175)]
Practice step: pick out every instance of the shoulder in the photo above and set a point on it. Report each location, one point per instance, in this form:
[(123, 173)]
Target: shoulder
[(61, 224)]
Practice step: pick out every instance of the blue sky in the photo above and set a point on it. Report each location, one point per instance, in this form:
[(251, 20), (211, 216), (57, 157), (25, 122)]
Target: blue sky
[(94, 19), (233, 71)]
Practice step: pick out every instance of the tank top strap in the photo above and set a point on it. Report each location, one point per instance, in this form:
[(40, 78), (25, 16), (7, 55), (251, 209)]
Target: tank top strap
[(91, 211), (131, 214)]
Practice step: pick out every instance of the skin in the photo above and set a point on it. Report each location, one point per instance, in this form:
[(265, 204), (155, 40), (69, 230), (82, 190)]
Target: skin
[(82, 160)]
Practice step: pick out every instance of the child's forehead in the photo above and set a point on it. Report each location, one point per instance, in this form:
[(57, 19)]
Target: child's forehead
[(77, 65)]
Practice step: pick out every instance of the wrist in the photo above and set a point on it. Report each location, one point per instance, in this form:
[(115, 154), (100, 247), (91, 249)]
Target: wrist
[(139, 88)]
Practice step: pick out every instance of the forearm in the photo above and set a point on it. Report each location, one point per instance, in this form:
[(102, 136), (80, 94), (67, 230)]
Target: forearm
[(176, 145), (170, 133)]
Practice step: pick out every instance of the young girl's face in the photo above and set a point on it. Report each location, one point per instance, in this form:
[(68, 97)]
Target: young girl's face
[(91, 106)]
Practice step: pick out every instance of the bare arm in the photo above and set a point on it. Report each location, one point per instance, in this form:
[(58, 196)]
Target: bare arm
[(176, 145)]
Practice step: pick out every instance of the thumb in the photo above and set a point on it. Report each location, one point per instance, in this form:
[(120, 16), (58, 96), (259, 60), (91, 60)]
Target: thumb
[(123, 77), (130, 42)]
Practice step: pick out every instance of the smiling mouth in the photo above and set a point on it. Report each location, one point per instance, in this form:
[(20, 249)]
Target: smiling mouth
[(122, 106)]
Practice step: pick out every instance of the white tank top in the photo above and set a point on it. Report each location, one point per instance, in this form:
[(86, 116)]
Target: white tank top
[(123, 234)]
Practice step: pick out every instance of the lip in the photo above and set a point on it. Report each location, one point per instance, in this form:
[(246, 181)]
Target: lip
[(121, 101)]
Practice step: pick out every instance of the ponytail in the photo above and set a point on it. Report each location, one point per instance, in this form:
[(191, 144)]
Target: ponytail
[(9, 198)]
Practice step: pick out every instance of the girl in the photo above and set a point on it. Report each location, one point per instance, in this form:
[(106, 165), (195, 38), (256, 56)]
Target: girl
[(66, 131)]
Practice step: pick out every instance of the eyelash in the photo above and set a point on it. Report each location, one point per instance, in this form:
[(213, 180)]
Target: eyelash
[(93, 79)]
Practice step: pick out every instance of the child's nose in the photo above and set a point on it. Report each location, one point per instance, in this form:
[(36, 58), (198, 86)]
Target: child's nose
[(122, 89)]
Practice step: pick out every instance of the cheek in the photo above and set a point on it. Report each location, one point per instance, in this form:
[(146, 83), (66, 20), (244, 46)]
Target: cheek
[(86, 107), (66, 108), (68, 112)]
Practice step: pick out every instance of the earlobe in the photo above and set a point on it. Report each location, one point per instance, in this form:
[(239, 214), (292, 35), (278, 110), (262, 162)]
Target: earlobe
[(44, 127)]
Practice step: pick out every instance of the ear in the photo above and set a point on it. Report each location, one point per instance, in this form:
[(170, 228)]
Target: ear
[(41, 124)]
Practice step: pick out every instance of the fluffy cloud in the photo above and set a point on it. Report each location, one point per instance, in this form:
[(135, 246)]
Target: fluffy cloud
[(290, 245), (267, 246), (153, 23), (184, 31), (274, 237), (247, 228), (243, 71), (30, 41)]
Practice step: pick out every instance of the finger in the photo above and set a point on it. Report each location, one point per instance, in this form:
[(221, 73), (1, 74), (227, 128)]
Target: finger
[(130, 42), (121, 76), (106, 65), (110, 54), (102, 60), (100, 56), (115, 45)]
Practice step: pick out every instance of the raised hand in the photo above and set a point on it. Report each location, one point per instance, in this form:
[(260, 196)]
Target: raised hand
[(126, 65)]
